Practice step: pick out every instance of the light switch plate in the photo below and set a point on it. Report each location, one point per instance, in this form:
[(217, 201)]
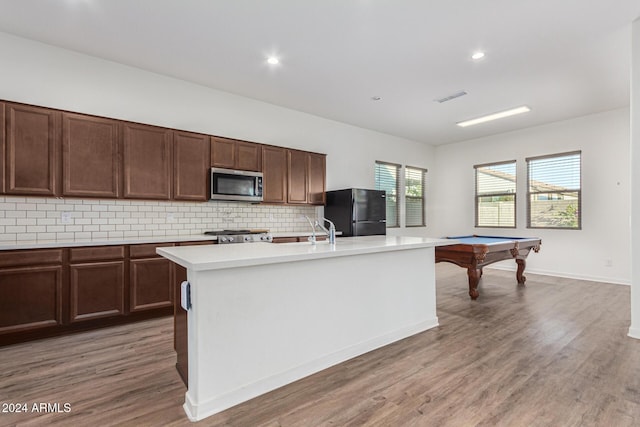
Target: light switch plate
[(65, 217)]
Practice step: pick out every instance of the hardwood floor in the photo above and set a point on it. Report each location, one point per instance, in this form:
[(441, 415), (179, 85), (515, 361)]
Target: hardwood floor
[(553, 353)]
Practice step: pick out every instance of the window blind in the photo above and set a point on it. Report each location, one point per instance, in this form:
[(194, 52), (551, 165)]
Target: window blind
[(496, 194), (554, 184), (415, 196), (387, 179)]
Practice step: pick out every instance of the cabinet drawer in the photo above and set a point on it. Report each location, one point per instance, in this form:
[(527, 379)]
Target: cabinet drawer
[(206, 242), (30, 257), (146, 250), (285, 239), (96, 253)]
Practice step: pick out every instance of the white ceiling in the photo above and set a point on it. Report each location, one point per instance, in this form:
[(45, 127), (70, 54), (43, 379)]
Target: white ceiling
[(563, 58)]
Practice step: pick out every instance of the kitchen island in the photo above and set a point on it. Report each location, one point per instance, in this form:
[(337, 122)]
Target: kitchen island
[(264, 315)]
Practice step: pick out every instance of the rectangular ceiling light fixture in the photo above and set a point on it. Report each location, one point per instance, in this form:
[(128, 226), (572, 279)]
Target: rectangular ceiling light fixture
[(450, 97), (494, 116)]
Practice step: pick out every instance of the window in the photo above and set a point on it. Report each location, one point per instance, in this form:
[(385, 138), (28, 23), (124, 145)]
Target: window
[(414, 195), (496, 195), (387, 179), (554, 191)]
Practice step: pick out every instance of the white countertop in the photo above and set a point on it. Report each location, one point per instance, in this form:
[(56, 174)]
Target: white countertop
[(212, 257), (65, 243)]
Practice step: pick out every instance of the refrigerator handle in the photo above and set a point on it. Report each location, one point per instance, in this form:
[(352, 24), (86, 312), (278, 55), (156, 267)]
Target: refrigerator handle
[(353, 210)]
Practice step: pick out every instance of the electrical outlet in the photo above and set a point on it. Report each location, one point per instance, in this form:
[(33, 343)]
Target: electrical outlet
[(65, 217), (171, 217), (608, 262)]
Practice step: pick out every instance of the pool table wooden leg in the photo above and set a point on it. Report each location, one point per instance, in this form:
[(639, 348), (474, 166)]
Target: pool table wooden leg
[(474, 277), (519, 276)]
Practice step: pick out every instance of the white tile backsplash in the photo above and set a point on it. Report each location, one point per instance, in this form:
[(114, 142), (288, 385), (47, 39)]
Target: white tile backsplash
[(41, 218)]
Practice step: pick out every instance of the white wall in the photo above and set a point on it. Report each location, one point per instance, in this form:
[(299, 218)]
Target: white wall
[(634, 329), (41, 74), (604, 141)]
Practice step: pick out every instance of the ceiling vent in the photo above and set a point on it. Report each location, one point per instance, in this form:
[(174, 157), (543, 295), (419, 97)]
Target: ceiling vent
[(450, 97)]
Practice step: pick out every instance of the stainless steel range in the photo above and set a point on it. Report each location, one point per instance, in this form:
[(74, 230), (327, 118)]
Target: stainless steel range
[(240, 236)]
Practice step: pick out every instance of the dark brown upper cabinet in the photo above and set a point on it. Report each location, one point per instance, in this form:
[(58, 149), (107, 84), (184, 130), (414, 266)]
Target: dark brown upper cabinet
[(274, 170), (190, 166), (32, 147), (233, 154), (317, 178), (90, 156), (147, 162), (306, 177), (298, 176)]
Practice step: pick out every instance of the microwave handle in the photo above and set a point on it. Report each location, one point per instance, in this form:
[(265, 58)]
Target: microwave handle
[(258, 184)]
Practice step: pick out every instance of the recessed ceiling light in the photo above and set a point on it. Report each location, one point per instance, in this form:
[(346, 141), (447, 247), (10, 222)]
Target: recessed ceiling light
[(494, 116), (477, 55), (273, 60)]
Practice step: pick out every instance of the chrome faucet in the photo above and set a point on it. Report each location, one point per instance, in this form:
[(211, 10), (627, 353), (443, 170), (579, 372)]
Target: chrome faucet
[(312, 238), (331, 231)]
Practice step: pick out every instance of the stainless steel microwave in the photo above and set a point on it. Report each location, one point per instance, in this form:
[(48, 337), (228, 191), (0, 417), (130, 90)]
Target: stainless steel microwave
[(230, 184)]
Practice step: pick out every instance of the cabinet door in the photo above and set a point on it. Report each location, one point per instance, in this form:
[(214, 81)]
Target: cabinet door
[(248, 156), (223, 153), (33, 142), (298, 176), (30, 298), (147, 162), (234, 154), (317, 178), (2, 147), (97, 290), (180, 328), (90, 165), (190, 166), (274, 169), (151, 284)]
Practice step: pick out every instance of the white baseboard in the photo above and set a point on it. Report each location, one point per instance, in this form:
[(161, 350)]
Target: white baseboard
[(634, 333), (614, 281)]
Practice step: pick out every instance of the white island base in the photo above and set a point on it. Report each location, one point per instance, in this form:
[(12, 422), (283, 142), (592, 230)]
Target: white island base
[(264, 315)]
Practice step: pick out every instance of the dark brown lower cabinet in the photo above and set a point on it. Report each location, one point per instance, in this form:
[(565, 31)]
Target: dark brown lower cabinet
[(180, 329), (97, 290), (97, 282), (151, 284), (30, 298), (150, 278), (31, 290), (49, 292)]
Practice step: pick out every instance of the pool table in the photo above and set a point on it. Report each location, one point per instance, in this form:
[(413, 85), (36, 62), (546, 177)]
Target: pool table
[(475, 252)]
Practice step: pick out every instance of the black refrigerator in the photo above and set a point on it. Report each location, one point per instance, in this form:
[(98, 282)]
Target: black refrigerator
[(357, 211)]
